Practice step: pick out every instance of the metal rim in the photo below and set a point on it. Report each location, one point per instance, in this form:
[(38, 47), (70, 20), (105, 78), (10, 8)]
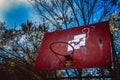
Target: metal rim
[(62, 43)]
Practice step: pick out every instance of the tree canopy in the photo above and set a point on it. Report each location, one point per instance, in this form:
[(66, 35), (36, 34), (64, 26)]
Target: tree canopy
[(63, 14), (19, 48)]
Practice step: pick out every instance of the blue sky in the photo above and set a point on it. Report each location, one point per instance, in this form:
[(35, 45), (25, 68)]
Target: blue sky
[(16, 12)]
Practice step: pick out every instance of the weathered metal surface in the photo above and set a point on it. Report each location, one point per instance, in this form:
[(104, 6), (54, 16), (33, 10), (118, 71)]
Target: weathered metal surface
[(80, 47)]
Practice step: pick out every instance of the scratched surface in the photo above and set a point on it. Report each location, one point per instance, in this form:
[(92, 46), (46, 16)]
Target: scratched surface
[(91, 45)]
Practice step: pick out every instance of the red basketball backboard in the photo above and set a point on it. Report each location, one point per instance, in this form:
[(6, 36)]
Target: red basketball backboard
[(80, 47)]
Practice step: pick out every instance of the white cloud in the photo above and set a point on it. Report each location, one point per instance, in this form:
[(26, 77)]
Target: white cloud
[(3, 4), (26, 1), (6, 4)]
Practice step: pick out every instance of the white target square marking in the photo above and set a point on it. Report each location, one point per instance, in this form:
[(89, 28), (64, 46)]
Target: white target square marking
[(77, 42)]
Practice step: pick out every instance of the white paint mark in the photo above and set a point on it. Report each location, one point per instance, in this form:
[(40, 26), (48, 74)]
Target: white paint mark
[(77, 42)]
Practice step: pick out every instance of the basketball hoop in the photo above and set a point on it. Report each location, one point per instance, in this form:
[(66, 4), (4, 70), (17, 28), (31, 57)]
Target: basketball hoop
[(68, 57)]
